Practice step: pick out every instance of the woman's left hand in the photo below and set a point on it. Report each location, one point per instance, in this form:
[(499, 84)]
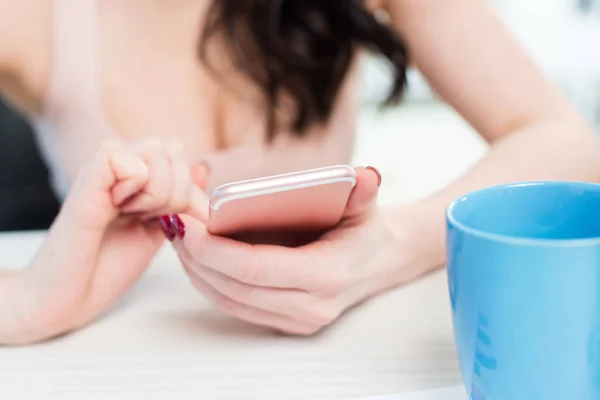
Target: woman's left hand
[(297, 290)]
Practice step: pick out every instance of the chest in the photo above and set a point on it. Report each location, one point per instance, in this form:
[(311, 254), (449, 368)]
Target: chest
[(148, 81), (154, 84)]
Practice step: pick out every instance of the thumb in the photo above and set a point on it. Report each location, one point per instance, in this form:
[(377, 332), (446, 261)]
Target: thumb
[(364, 195), (113, 176)]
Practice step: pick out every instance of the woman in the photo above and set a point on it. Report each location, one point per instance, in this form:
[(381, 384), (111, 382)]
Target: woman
[(251, 88)]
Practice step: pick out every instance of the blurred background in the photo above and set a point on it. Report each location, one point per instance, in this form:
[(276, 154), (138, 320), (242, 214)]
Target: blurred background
[(563, 36)]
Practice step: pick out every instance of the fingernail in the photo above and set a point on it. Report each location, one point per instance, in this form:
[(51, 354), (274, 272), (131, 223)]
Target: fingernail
[(206, 165), (378, 174), (167, 227), (178, 226)]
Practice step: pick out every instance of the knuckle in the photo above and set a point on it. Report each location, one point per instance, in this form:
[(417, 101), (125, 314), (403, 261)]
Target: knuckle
[(322, 315), (107, 152), (335, 279)]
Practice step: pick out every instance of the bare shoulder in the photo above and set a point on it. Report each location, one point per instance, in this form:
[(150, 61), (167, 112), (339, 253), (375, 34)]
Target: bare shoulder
[(26, 28)]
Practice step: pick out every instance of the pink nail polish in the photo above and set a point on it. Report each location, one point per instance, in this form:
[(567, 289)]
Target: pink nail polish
[(167, 227), (378, 174), (178, 226)]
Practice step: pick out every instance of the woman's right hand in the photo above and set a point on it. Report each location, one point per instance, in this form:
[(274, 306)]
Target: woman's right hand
[(105, 235)]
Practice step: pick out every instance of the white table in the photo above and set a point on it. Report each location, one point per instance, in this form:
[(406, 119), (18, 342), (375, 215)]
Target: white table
[(165, 342)]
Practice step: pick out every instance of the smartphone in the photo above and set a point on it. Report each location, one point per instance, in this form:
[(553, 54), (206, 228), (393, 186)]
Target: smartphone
[(305, 201)]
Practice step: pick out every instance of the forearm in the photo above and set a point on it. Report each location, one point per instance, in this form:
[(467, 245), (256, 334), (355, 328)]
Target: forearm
[(544, 151), (13, 322)]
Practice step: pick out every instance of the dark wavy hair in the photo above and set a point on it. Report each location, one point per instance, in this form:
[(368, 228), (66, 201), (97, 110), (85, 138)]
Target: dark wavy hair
[(302, 48)]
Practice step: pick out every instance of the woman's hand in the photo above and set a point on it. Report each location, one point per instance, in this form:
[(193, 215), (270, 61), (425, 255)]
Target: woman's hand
[(297, 290), (106, 234)]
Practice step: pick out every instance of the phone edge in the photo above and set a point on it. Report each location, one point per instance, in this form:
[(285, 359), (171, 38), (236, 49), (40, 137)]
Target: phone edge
[(281, 183)]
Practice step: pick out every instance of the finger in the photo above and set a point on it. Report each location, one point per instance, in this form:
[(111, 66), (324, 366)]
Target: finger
[(113, 164), (180, 183), (157, 192), (364, 195), (264, 265), (297, 304), (250, 314), (199, 205), (90, 209), (114, 168), (127, 189), (201, 174), (199, 201), (131, 175)]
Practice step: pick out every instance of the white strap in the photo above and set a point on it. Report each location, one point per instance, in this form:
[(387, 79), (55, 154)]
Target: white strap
[(76, 60)]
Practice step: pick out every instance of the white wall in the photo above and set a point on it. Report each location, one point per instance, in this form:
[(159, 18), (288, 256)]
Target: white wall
[(564, 42)]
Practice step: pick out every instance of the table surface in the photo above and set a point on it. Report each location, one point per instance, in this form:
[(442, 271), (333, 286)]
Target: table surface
[(164, 341)]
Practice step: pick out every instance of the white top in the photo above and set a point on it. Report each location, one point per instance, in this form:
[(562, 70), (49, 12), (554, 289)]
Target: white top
[(59, 181), (74, 86)]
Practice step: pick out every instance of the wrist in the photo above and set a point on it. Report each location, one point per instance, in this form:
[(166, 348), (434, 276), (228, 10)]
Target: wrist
[(15, 326), (26, 317), (418, 238)]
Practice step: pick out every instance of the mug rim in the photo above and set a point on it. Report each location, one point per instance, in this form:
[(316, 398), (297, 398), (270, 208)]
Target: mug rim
[(515, 240)]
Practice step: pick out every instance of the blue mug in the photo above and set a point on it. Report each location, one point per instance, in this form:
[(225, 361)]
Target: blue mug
[(524, 280)]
